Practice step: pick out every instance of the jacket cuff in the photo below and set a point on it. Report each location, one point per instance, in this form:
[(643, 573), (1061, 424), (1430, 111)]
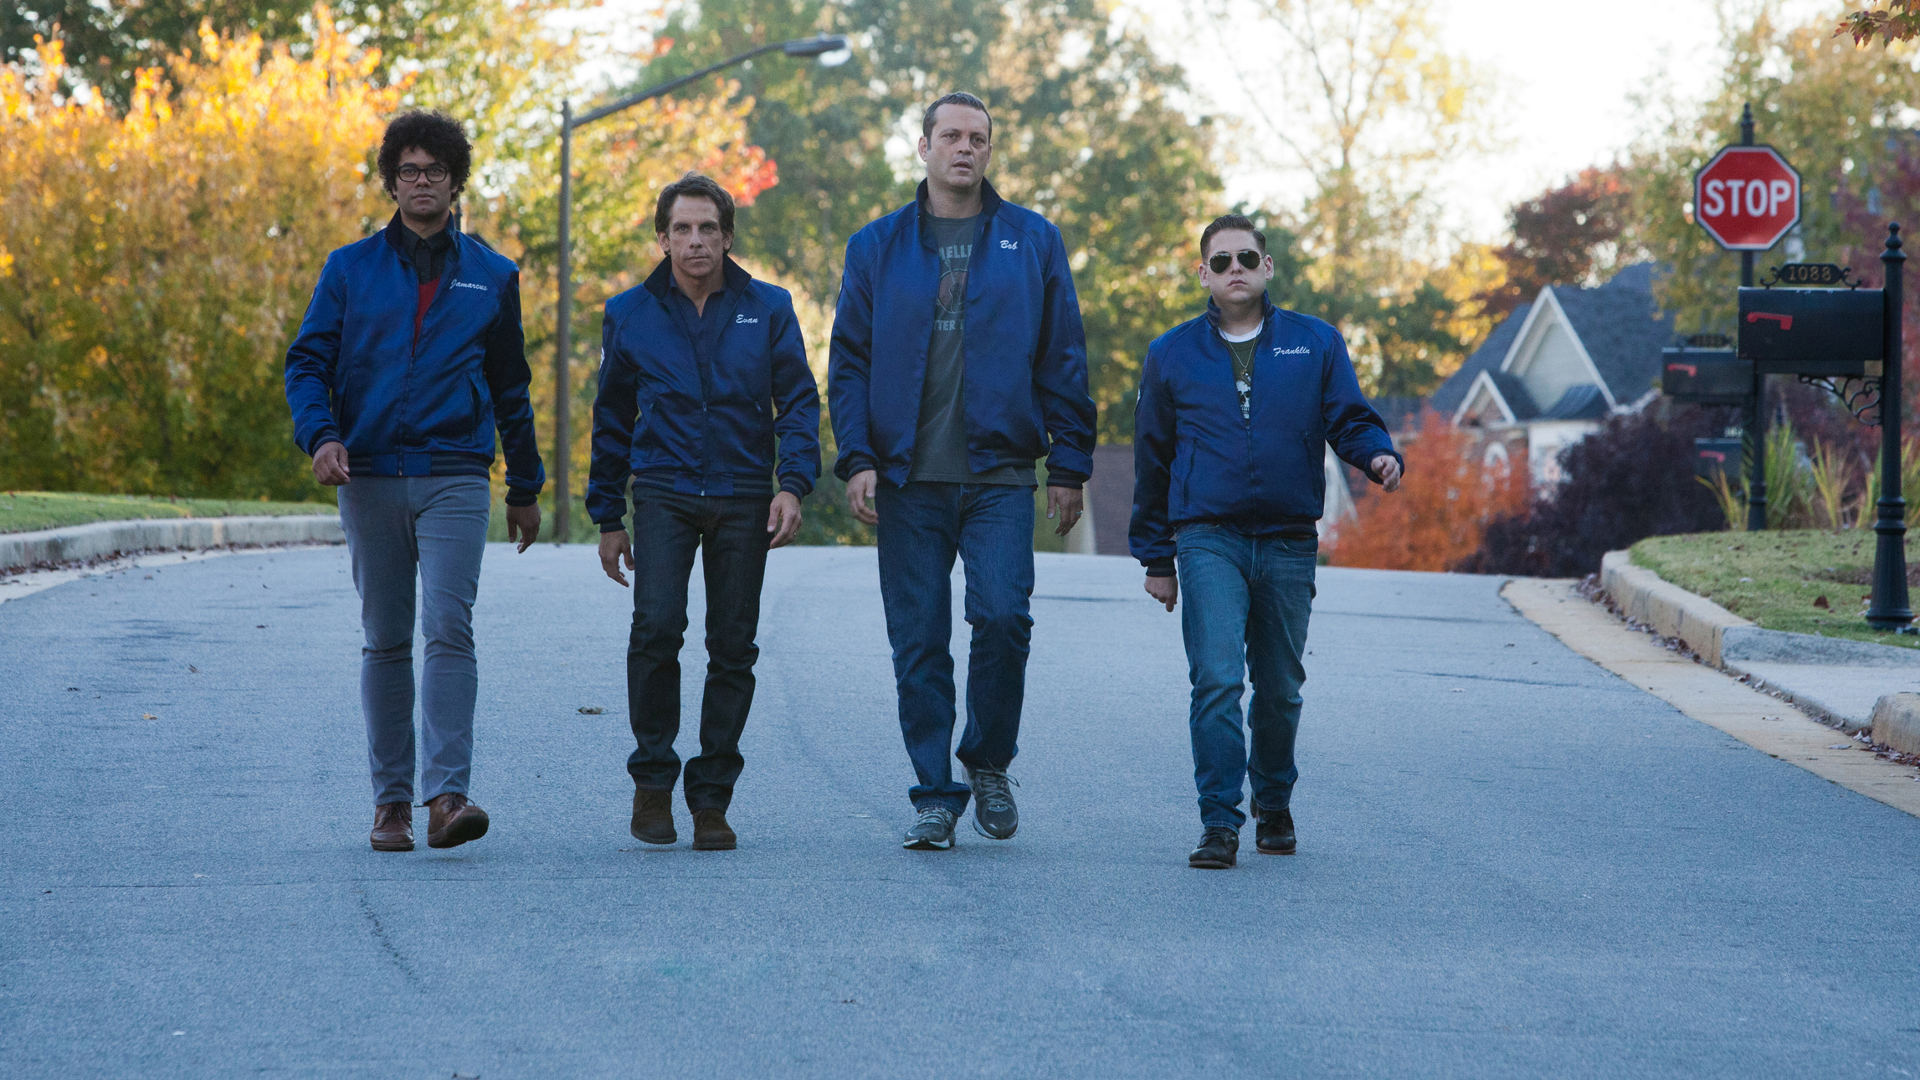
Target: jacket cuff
[(796, 487), (327, 435), (522, 496), (853, 462), (1065, 478), (1162, 567), (616, 525)]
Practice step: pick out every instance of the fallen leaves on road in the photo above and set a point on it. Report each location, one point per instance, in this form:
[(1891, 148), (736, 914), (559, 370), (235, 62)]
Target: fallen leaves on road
[(148, 716), (591, 710)]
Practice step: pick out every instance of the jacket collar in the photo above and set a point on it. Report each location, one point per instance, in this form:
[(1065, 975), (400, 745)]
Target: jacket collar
[(989, 205), (1266, 310), (660, 283), (404, 240)]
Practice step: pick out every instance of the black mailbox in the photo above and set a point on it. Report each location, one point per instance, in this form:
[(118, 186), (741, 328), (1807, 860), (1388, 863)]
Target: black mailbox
[(1811, 331), (1713, 457), (1706, 376)]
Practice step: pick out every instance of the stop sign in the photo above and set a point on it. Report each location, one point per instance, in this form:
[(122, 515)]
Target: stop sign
[(1747, 197)]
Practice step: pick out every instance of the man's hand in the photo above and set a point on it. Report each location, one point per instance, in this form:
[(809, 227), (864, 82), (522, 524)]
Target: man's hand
[(523, 523), (1387, 468), (783, 519), (330, 464), (860, 496), (615, 547), (1065, 504), (1164, 589)]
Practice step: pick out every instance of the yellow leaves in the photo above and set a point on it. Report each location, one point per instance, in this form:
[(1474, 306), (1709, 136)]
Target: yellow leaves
[(6, 264)]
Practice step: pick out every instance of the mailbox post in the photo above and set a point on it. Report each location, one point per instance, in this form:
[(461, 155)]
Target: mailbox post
[(1889, 610)]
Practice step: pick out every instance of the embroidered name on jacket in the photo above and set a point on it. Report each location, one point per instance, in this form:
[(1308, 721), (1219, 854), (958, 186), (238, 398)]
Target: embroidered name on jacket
[(1297, 350), (745, 319), (469, 285), (1010, 245)]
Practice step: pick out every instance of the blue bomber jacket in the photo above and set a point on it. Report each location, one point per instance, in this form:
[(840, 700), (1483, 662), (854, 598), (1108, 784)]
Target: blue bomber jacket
[(1024, 355), (1196, 460), (407, 403), (672, 416)]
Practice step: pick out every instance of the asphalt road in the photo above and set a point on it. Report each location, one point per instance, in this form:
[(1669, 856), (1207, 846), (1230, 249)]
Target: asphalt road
[(1511, 862)]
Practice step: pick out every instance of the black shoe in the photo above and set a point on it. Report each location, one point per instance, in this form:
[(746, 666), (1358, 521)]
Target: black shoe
[(711, 831), (994, 815), (1218, 850), (653, 816), (931, 831), (1274, 834)]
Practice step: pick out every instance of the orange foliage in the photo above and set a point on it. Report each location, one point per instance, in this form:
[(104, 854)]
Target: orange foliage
[(1439, 514)]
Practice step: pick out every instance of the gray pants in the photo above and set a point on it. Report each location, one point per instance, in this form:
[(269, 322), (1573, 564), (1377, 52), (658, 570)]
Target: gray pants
[(435, 528)]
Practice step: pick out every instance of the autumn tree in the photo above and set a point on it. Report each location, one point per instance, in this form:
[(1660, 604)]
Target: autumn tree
[(1437, 517), (1898, 21), (1567, 235), (1839, 116), (154, 261)]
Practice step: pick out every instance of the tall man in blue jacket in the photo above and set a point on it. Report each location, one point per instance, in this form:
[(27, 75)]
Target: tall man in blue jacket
[(408, 362), (1229, 479), (958, 360), (702, 371)]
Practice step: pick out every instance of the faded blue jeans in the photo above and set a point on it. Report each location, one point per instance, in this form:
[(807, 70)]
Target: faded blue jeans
[(432, 529), (1244, 607), (922, 527)]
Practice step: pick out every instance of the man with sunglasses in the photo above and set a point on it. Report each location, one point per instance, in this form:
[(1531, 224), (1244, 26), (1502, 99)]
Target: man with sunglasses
[(957, 361), (1229, 482), (409, 363)]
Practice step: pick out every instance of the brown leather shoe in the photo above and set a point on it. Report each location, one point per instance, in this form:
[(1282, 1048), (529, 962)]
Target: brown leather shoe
[(653, 816), (711, 831), (452, 820), (393, 827)]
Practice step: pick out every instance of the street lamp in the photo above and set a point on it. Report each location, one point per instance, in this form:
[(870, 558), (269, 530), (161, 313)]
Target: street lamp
[(832, 51)]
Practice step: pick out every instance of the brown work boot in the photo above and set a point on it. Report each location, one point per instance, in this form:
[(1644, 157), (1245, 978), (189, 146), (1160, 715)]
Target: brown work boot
[(452, 820), (393, 827), (653, 816), (711, 831)]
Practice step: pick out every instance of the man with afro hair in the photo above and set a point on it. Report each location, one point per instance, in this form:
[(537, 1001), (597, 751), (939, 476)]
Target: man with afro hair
[(408, 367)]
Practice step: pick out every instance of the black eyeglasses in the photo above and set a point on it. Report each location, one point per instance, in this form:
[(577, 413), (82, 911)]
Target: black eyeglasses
[(1248, 257), (434, 173)]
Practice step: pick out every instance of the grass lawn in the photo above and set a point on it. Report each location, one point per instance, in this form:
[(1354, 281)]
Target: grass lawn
[(31, 511), (1806, 581)]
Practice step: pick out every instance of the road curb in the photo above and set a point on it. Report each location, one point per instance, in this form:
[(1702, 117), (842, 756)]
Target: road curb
[(107, 539), (1728, 642), (1671, 611), (1896, 722)]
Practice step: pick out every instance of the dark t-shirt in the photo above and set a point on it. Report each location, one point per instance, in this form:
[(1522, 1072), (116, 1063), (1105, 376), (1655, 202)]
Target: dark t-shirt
[(940, 442)]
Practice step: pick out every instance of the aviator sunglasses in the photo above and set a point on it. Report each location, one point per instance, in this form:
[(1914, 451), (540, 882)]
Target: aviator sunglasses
[(1248, 257)]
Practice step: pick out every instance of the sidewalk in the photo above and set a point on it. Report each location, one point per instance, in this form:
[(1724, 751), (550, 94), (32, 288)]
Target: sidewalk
[(1857, 685)]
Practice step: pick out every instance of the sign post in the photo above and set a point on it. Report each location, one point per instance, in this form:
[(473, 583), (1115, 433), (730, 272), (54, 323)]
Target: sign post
[(1747, 198)]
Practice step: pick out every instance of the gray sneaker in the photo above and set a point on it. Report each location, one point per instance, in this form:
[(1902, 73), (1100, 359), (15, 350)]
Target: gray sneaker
[(994, 815), (931, 831)]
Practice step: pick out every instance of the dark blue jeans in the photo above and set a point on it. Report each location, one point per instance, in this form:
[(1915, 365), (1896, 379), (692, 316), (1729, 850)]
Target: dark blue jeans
[(922, 527), (731, 535), (1244, 608)]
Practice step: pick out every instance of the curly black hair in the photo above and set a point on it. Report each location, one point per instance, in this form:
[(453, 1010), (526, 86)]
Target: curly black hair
[(436, 133)]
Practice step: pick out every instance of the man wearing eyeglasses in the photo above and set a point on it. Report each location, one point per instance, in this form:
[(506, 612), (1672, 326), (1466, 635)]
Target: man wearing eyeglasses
[(408, 365), (957, 361), (1229, 481)]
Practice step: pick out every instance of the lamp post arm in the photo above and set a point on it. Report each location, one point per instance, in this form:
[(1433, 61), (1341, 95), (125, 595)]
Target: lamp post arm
[(670, 85)]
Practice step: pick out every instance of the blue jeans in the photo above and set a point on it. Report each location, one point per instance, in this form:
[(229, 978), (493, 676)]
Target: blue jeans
[(922, 527), (1244, 608), (432, 529)]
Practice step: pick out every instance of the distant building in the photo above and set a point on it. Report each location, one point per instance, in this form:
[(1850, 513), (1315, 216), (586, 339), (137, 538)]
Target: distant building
[(1556, 368)]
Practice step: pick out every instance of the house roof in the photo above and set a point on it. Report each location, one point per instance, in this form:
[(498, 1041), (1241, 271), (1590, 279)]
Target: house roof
[(1515, 394), (1578, 403), (1617, 323), (1487, 357), (1622, 329)]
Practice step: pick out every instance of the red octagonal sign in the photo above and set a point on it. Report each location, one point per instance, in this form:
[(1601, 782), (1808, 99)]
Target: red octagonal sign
[(1747, 197)]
